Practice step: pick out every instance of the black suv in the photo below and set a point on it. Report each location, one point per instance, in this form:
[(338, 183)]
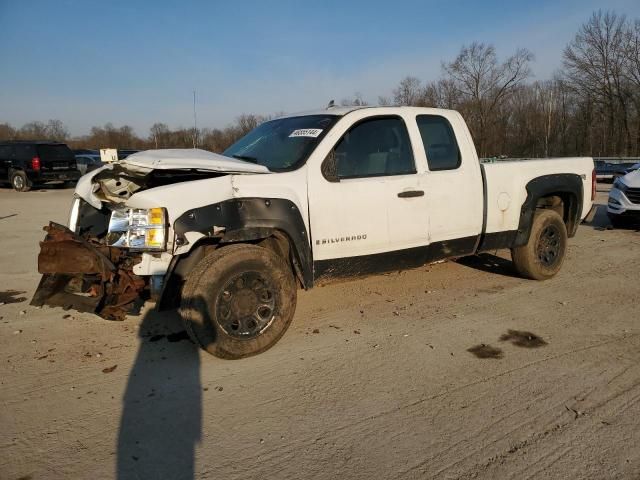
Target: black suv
[(25, 163)]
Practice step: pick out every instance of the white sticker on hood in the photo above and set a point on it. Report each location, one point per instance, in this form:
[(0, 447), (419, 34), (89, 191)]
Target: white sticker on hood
[(306, 132)]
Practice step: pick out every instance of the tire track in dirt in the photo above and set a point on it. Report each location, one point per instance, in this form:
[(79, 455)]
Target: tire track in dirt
[(351, 426)]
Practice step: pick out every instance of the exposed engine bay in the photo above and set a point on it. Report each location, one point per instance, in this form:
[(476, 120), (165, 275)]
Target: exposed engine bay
[(118, 184)]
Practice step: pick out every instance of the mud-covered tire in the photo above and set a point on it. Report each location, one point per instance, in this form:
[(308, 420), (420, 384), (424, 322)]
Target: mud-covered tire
[(19, 181), (263, 276), (542, 256)]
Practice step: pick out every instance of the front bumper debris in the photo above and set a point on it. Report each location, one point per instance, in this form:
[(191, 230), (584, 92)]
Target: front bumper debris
[(82, 274)]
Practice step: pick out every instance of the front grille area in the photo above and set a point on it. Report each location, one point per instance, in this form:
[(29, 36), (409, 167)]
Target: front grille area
[(633, 194)]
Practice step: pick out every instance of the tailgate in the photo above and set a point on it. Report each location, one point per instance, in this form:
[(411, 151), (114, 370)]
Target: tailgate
[(56, 157)]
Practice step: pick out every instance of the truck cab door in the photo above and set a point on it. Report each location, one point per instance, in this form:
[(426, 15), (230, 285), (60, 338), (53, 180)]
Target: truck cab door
[(367, 197), (454, 183)]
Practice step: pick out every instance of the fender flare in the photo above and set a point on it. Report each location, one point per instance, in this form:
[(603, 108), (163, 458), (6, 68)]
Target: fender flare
[(246, 219), (559, 184)]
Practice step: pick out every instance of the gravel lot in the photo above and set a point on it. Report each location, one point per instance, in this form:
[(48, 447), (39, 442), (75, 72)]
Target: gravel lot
[(454, 370)]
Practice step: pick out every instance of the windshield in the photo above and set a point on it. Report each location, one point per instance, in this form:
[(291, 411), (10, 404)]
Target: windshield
[(282, 144)]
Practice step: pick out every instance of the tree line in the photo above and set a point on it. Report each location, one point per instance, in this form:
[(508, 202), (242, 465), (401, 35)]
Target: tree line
[(124, 137), (591, 106)]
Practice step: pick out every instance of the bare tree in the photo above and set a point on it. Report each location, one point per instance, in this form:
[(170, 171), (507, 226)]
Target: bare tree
[(632, 72), (441, 94), (357, 101), (158, 134), (594, 65), (33, 131), (483, 83), (545, 95), (7, 132), (409, 92), (110, 136), (56, 130), (247, 122)]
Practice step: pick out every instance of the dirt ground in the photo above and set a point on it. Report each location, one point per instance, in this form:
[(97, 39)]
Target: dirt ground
[(454, 370)]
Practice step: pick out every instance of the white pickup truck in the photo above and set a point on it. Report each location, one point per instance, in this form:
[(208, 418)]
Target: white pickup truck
[(343, 191)]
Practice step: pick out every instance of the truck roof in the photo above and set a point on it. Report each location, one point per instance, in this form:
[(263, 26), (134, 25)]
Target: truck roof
[(342, 111)]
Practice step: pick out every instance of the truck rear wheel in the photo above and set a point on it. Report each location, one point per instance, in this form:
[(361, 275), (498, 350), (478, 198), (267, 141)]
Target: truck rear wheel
[(239, 301), (542, 256), (19, 181)]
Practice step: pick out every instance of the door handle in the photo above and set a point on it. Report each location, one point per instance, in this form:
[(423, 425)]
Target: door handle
[(411, 193)]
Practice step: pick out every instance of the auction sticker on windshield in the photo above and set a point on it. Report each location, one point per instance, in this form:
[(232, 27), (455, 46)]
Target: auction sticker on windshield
[(306, 132)]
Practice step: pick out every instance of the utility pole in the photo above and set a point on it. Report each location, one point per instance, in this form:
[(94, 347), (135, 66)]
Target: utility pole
[(195, 122)]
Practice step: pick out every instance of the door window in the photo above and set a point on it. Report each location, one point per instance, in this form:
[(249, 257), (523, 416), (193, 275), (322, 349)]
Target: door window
[(24, 152), (375, 147), (439, 142)]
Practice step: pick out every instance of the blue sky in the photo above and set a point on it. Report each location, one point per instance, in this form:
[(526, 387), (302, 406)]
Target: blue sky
[(137, 62)]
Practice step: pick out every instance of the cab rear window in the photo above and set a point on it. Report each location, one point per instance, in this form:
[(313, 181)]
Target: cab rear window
[(55, 152), (439, 142), (23, 151)]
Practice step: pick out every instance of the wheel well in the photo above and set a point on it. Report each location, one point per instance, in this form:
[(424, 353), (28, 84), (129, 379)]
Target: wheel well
[(565, 205), (562, 192), (277, 241), (280, 243)]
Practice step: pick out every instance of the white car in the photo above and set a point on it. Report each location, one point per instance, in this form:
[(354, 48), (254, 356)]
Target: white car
[(633, 168), (624, 199), (340, 191)]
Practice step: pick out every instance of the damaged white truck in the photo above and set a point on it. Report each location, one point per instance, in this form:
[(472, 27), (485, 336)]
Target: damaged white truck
[(230, 238)]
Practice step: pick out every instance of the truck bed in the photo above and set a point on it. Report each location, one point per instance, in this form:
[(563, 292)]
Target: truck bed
[(505, 182)]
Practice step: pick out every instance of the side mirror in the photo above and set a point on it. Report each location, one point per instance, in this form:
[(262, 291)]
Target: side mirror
[(330, 168)]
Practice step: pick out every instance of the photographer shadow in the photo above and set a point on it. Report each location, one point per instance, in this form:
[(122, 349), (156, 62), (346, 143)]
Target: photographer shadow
[(161, 420)]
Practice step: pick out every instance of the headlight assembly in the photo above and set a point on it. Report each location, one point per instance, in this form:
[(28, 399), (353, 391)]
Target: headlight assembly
[(138, 228)]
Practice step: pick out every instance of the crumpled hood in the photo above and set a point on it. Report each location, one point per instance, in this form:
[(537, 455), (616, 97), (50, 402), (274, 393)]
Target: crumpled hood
[(117, 182), (177, 158)]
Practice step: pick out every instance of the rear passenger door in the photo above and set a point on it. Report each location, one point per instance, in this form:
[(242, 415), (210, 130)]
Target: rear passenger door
[(369, 198), (454, 181)]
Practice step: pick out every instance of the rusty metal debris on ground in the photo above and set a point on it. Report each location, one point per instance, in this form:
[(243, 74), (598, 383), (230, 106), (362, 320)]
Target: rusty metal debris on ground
[(85, 275)]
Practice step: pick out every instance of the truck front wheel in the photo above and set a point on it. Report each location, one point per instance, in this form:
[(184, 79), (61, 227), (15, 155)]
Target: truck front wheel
[(239, 301), (542, 256)]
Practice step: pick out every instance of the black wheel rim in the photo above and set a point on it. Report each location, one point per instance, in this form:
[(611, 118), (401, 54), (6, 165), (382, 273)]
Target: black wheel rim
[(549, 246), (246, 305)]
